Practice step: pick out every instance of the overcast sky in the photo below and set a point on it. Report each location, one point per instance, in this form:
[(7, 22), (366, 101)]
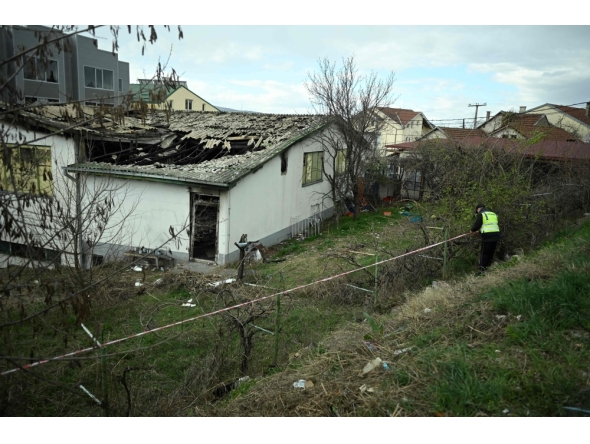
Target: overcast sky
[(439, 70)]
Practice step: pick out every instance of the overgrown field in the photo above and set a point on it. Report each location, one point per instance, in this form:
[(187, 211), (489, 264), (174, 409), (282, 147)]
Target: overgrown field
[(514, 340)]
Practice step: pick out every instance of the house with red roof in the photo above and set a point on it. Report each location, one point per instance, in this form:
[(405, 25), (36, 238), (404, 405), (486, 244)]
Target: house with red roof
[(399, 125), (575, 121)]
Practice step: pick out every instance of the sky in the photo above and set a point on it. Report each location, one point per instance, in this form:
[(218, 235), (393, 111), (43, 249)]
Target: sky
[(439, 68)]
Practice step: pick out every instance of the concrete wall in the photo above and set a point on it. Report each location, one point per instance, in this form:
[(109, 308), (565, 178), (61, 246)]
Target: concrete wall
[(266, 203), (145, 213)]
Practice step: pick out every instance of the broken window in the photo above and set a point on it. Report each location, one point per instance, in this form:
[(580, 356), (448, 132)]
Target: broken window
[(312, 167), (284, 162), (30, 172), (36, 69)]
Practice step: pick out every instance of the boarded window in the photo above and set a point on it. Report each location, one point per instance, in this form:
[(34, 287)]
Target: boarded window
[(30, 170), (312, 167)]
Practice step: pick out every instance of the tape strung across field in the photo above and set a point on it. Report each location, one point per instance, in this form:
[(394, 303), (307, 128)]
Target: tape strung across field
[(116, 341)]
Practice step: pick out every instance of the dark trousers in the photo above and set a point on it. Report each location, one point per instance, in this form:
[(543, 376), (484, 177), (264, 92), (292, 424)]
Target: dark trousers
[(487, 254)]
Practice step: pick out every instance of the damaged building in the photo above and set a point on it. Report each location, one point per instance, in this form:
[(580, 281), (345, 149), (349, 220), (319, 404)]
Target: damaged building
[(192, 183)]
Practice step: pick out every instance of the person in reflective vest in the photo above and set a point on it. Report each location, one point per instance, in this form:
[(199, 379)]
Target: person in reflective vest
[(486, 223)]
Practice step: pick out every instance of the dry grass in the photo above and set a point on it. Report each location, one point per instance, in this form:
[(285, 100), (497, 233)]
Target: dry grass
[(335, 365)]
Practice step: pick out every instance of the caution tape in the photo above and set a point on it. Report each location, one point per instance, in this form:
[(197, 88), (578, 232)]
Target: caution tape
[(233, 307)]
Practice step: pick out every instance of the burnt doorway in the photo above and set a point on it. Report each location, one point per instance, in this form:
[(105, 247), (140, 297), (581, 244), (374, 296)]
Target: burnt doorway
[(204, 211)]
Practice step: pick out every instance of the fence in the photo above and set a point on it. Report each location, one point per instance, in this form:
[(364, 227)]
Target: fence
[(311, 226)]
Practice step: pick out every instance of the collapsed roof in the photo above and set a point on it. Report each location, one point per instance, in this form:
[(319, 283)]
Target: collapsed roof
[(215, 148)]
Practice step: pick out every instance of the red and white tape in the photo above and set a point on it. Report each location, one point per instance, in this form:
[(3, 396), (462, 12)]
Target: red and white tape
[(233, 307)]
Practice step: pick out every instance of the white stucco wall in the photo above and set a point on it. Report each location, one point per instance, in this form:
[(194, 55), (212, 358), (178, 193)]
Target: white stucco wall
[(265, 202), (145, 213)]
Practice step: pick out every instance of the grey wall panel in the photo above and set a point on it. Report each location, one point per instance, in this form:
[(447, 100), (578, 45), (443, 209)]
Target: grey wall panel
[(42, 89)]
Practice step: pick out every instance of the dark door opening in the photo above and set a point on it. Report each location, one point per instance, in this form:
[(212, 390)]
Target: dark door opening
[(204, 211)]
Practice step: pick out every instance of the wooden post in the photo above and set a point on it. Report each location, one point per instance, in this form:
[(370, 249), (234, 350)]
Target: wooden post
[(243, 239), (105, 382), (446, 250), (376, 277)]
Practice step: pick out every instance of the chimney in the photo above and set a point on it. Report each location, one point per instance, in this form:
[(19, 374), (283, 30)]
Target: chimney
[(487, 115), (522, 109), (588, 110)]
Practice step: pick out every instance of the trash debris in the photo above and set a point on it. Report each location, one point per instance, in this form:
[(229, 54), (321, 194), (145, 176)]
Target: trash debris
[(403, 350), (385, 366), (241, 381), (370, 345), (427, 310), (500, 317), (302, 383), (218, 283), (138, 283), (188, 305), (158, 281), (518, 317), (498, 351), (505, 411), (371, 365), (364, 388), (387, 213), (416, 219), (137, 268)]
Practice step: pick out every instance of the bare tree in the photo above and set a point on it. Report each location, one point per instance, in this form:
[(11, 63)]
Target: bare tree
[(347, 100), (51, 223)]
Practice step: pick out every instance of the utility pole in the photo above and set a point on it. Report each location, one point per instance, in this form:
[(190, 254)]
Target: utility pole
[(477, 105)]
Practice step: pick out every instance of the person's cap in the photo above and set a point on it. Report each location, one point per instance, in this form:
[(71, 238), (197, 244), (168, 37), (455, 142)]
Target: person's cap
[(479, 206)]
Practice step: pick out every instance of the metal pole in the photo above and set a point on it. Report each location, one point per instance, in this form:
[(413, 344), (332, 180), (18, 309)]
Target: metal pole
[(477, 105)]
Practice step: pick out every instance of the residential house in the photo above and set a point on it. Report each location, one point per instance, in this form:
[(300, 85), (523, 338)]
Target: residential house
[(397, 125), (207, 178), (452, 133), (168, 94), (575, 121), (521, 126), (80, 71)]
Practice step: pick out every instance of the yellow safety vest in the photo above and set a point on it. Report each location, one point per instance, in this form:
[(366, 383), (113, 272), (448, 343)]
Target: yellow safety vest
[(489, 222)]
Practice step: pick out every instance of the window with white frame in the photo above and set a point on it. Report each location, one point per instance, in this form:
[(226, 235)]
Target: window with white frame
[(188, 104), (36, 69), (98, 78), (312, 167), (30, 170)]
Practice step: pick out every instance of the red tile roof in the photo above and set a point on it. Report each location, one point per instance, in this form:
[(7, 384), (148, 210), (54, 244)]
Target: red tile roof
[(545, 150), (525, 124), (461, 133), (400, 115), (577, 113)]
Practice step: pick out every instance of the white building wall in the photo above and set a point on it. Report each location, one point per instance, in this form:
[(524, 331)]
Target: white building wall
[(264, 204), (145, 213)]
